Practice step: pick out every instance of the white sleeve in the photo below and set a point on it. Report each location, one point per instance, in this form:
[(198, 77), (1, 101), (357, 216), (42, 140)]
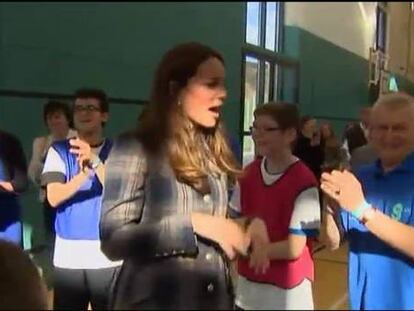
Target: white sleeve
[(234, 203), (53, 163), (306, 216)]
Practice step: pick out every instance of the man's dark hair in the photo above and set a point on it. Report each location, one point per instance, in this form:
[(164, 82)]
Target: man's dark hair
[(53, 106), (98, 94), (286, 115)]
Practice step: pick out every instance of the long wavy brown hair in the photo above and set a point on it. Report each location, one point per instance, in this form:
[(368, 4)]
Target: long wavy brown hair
[(163, 127)]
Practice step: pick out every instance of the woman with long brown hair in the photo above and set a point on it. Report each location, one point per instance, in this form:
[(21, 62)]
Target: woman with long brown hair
[(165, 198)]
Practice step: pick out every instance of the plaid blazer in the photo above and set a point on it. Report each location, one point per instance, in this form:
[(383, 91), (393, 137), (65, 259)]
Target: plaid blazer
[(146, 222)]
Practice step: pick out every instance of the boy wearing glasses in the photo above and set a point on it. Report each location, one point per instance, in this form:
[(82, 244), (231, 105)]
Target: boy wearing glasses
[(73, 176), (282, 191)]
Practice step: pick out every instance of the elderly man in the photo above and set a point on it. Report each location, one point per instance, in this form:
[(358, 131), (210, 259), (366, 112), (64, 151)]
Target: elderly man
[(377, 211)]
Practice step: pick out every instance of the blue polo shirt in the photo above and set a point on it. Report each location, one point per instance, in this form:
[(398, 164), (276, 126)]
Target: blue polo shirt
[(379, 276)]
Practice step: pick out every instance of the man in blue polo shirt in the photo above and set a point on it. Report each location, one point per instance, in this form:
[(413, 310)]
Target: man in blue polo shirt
[(73, 175), (377, 214)]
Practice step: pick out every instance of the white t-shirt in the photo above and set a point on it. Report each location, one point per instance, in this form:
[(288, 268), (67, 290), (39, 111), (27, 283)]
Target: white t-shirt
[(305, 221), (39, 149), (75, 254)]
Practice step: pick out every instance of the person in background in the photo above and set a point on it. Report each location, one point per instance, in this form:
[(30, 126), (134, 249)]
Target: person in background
[(333, 151), (356, 133), (13, 182), (308, 146), (364, 154), (57, 117)]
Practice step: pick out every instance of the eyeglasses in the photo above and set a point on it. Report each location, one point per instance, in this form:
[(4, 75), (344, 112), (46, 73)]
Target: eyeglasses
[(88, 108), (254, 130)]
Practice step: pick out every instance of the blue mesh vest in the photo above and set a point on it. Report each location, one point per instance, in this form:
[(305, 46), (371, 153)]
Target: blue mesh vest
[(78, 217)]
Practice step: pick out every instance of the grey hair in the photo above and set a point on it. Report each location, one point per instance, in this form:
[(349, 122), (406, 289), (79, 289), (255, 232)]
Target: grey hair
[(395, 101)]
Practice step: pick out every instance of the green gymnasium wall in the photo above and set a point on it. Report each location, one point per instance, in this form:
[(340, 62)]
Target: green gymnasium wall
[(59, 47), (333, 81)]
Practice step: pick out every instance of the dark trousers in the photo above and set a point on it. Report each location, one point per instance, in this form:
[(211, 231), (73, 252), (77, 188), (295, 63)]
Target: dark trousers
[(49, 214), (75, 288)]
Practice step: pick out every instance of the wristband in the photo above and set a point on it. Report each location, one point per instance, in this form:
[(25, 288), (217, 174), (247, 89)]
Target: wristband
[(368, 215), (359, 211), (95, 163)]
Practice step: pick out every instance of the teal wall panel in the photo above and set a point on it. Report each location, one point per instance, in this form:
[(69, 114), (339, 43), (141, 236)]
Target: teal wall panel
[(333, 82), (56, 47)]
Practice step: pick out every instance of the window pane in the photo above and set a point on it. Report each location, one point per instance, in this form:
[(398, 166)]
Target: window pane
[(270, 25), (253, 23), (277, 31), (248, 150), (251, 88), (267, 83), (381, 29), (276, 88)]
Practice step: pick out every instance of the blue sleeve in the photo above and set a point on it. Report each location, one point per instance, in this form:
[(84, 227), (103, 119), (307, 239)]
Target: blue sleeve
[(344, 216)]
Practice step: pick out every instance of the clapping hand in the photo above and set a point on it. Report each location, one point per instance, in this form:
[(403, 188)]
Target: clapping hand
[(344, 188)]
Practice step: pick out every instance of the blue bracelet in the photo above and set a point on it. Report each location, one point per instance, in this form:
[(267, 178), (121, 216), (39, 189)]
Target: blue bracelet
[(359, 211)]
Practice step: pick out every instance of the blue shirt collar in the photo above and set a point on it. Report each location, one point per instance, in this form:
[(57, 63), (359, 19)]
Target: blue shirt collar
[(407, 165)]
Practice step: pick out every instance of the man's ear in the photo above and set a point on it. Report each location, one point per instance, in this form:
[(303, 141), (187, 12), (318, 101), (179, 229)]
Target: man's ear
[(105, 117)]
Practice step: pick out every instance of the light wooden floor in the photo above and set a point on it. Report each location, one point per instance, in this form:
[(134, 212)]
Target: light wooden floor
[(330, 287)]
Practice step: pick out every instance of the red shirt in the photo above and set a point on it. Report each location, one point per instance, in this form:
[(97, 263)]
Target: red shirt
[(274, 204)]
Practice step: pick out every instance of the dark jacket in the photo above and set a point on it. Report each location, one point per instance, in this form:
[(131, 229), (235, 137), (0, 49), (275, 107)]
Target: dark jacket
[(362, 155), (12, 155), (312, 156), (146, 222), (355, 137)]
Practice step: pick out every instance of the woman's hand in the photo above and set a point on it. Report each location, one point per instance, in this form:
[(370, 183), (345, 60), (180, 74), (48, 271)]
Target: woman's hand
[(259, 258), (225, 232)]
